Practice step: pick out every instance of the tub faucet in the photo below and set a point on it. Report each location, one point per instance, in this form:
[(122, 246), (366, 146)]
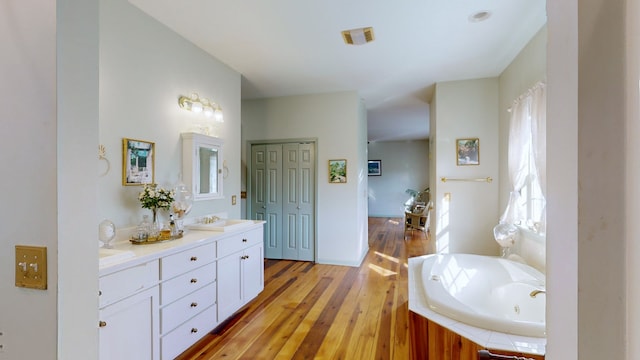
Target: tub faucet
[(535, 293)]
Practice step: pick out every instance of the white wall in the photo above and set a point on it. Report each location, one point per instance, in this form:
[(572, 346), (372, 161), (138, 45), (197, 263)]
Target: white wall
[(633, 178), (337, 122), (528, 68), (362, 242), (465, 220), (405, 165), (77, 135), (28, 157), (601, 175), (144, 69)]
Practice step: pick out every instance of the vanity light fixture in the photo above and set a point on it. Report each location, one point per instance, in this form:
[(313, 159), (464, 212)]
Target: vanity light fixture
[(197, 105)]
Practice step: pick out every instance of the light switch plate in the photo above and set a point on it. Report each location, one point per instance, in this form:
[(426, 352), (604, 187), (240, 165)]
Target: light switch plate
[(233, 199), (31, 267)]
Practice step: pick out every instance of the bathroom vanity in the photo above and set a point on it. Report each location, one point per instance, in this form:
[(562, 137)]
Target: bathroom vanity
[(157, 300)]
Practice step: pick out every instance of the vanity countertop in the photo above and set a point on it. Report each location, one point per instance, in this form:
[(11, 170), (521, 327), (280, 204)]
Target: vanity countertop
[(137, 254)]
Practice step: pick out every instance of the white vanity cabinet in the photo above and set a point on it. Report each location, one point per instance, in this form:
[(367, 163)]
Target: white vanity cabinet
[(187, 298), (128, 315), (240, 263), (166, 298)]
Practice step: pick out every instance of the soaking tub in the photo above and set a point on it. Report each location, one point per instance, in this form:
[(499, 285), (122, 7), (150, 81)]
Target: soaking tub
[(486, 292)]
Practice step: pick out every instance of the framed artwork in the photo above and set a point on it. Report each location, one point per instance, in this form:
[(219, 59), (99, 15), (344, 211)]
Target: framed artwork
[(138, 166), (338, 171), (375, 167), (468, 151)]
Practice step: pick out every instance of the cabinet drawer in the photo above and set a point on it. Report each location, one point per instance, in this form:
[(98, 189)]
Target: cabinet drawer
[(178, 287), (239, 242), (180, 339), (127, 282), (176, 264), (185, 308)]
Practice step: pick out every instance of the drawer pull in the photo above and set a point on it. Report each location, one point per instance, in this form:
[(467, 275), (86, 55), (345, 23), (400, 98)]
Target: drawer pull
[(194, 330), (102, 324), (194, 258), (193, 281), (194, 304), (244, 240)]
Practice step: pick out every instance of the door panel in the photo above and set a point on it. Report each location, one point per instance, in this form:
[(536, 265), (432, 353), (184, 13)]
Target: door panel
[(266, 196), (306, 204), (285, 174), (290, 204)]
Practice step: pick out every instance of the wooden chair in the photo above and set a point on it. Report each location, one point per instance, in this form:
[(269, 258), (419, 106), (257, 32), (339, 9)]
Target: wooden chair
[(418, 219)]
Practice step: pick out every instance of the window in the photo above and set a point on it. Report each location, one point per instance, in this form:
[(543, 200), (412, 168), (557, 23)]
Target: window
[(531, 200)]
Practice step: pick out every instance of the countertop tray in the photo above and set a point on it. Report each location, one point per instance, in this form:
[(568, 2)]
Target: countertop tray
[(156, 240)]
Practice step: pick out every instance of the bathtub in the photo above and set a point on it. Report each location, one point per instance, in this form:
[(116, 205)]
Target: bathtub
[(486, 292)]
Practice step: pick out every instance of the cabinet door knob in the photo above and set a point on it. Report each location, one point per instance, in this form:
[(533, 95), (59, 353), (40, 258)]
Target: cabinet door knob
[(244, 240), (194, 258), (194, 330), (194, 304), (246, 257), (99, 292), (193, 281), (102, 324)]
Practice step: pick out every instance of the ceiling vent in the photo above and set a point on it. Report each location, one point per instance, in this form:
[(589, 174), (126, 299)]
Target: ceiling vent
[(358, 36)]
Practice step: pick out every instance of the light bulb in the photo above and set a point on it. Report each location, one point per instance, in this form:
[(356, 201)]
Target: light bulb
[(208, 111), (196, 107), (218, 115)]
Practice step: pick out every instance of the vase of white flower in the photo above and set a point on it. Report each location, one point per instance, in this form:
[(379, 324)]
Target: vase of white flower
[(155, 198)]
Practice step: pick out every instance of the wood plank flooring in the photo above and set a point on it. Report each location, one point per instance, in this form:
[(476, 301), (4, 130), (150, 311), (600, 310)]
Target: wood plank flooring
[(312, 311)]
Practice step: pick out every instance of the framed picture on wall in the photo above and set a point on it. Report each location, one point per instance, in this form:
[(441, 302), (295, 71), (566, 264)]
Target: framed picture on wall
[(468, 151), (338, 171), (375, 168), (138, 162)]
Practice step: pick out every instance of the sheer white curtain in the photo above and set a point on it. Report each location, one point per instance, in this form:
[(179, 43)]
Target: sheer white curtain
[(539, 143), (519, 142), (527, 137)]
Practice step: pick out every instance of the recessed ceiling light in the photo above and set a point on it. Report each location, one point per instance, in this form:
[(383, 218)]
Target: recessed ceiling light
[(479, 16), (358, 36)]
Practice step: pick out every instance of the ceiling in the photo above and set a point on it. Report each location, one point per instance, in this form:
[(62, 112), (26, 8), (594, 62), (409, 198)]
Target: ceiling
[(294, 47)]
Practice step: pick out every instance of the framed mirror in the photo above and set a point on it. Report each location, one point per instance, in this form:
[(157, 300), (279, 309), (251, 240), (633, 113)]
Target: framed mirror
[(202, 165)]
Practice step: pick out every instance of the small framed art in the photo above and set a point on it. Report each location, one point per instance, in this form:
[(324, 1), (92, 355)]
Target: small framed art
[(138, 162), (468, 151), (375, 168), (338, 171)]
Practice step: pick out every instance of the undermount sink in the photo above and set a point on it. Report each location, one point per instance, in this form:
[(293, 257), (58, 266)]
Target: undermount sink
[(112, 256), (221, 225)]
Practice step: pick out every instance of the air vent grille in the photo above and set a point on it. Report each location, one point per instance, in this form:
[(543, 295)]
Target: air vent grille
[(358, 36)]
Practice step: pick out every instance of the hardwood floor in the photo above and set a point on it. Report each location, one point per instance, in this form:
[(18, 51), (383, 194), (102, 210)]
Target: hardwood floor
[(312, 311)]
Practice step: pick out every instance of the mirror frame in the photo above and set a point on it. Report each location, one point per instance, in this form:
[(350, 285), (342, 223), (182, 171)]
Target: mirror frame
[(191, 144)]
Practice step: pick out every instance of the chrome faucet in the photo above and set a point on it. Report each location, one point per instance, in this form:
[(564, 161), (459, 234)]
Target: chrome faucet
[(535, 293)]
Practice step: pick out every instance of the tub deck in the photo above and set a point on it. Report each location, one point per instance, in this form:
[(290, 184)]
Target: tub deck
[(486, 339)]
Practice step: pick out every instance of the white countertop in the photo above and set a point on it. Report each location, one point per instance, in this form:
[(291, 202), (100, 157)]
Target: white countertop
[(148, 252), (486, 338)]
